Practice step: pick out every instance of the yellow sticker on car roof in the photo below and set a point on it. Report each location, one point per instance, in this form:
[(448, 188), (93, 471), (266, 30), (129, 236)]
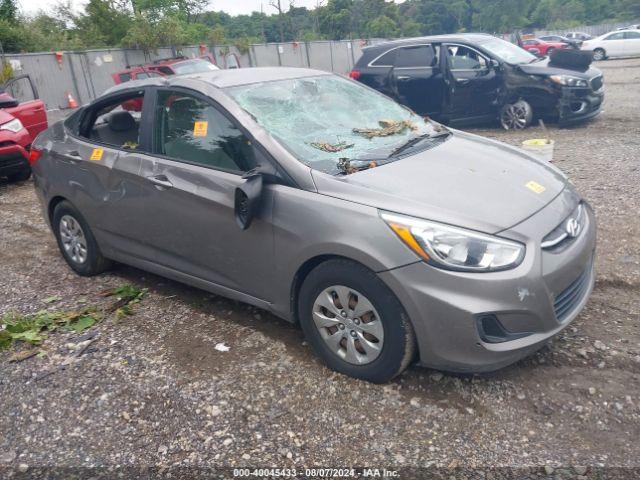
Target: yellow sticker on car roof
[(96, 154), (535, 187), (200, 129)]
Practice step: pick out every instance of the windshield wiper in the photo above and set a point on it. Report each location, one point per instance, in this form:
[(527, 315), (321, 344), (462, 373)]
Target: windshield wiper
[(416, 140)]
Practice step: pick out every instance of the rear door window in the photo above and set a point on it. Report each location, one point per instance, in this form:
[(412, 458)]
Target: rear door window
[(418, 56), (190, 129), (117, 123)]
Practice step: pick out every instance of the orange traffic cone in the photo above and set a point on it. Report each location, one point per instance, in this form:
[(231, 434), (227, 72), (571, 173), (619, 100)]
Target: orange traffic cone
[(72, 102)]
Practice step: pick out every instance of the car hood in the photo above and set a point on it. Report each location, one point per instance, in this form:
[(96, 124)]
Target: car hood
[(467, 181), (544, 67)]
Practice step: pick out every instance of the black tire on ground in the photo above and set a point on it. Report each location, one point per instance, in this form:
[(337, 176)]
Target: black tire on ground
[(599, 54), (516, 116), (550, 51), (399, 345), (20, 176), (94, 263)]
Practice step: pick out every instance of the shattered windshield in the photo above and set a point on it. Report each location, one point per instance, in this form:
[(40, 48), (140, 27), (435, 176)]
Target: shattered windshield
[(193, 66), (333, 124), (506, 51)]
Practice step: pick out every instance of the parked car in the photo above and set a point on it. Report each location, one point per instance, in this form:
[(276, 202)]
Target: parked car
[(631, 27), (624, 43), (578, 36), (182, 66), (470, 78), (135, 72), (542, 48), (382, 233), (573, 43), (19, 123)]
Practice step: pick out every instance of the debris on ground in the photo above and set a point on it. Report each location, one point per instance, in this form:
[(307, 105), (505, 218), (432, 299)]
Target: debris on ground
[(126, 296), (387, 128), (34, 328)]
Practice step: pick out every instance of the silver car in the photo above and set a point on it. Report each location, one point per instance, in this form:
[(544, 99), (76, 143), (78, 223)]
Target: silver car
[(385, 235)]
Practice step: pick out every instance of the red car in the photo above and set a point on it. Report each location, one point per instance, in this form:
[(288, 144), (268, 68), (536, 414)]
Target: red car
[(541, 48), (19, 125)]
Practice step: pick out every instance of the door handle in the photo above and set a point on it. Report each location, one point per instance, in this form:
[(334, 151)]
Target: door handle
[(463, 81), (160, 181), (403, 78)]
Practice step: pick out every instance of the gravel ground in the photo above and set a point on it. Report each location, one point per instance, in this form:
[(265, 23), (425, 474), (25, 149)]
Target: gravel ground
[(151, 391)]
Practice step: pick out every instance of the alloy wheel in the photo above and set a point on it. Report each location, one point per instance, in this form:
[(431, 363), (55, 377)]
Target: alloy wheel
[(73, 239), (514, 116), (349, 324)]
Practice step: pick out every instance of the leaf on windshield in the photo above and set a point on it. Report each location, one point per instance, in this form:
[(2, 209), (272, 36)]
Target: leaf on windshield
[(345, 166), (331, 147), (387, 128)]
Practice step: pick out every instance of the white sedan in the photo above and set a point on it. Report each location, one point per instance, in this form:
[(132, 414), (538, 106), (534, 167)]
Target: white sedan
[(623, 43)]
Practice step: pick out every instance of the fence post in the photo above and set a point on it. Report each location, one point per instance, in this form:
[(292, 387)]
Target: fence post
[(306, 47), (331, 54)]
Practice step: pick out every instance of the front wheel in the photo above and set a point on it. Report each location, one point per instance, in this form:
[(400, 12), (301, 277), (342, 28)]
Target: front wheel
[(599, 54), (516, 116), (354, 323)]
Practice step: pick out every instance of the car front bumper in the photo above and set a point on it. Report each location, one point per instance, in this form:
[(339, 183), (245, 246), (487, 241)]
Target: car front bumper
[(444, 306), (579, 104)]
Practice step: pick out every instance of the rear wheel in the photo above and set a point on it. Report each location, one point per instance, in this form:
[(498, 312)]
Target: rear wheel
[(76, 241), (20, 176), (516, 116), (599, 54), (354, 322)]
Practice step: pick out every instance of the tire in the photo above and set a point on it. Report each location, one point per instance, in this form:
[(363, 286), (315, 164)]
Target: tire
[(516, 116), (76, 241), (392, 345), (20, 176), (550, 51), (599, 54)]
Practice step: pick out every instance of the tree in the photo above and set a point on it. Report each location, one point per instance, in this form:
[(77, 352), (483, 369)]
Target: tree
[(8, 10), (382, 27)]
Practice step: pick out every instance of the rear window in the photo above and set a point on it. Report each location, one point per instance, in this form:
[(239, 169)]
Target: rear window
[(125, 77), (386, 60), (418, 56)]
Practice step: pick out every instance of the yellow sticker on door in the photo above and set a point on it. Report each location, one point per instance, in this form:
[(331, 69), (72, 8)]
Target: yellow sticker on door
[(535, 187), (96, 154), (200, 129)]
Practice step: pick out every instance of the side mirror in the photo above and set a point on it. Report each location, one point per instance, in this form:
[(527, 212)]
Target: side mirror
[(248, 197), (495, 64)]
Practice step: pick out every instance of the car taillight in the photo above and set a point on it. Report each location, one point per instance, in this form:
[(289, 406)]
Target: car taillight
[(34, 156), (355, 74)]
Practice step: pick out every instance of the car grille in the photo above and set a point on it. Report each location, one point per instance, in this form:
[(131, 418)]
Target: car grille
[(597, 83), (571, 296)]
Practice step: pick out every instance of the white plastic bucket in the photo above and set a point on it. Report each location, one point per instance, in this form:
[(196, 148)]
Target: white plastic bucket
[(540, 147)]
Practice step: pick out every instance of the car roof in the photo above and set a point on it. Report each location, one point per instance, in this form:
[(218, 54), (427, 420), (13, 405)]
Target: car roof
[(453, 37), (225, 78)]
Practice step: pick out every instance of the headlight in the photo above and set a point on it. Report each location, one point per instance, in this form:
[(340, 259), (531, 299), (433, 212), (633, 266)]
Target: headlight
[(455, 248), (569, 81), (14, 126)]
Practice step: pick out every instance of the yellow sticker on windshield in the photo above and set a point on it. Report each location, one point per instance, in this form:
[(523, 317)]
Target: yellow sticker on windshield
[(535, 187), (200, 129), (96, 154)]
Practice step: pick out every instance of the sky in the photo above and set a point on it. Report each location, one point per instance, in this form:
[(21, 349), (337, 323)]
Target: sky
[(232, 7)]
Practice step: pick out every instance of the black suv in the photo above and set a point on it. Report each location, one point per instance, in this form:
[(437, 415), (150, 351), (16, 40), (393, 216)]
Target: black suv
[(471, 78)]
